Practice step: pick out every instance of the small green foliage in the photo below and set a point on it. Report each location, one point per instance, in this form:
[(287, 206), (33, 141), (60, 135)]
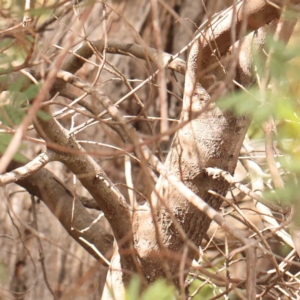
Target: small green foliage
[(3, 78), (5, 139), (37, 12), (160, 289), (283, 196), (3, 272), (4, 58), (11, 115), (16, 100), (241, 103), (206, 292), (245, 103), (44, 116), (133, 290), (16, 86), (32, 91)]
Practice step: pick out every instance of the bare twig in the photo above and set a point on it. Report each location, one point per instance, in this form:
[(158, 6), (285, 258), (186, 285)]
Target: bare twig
[(161, 74), (41, 251)]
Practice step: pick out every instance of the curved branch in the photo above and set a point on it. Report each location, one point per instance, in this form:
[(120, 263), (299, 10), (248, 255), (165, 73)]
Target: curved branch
[(61, 201), (91, 175), (256, 12), (75, 62), (26, 170)]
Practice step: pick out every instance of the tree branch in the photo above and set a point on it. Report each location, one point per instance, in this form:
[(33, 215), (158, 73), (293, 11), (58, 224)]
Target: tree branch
[(91, 175), (75, 62), (26, 170), (257, 13), (61, 201)]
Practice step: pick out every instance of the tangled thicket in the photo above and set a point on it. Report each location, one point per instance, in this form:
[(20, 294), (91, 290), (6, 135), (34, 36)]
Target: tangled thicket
[(152, 139)]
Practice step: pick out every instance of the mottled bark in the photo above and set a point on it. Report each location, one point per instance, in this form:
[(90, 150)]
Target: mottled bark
[(211, 138)]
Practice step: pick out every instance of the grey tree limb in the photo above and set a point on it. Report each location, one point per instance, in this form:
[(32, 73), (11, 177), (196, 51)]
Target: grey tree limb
[(60, 200)]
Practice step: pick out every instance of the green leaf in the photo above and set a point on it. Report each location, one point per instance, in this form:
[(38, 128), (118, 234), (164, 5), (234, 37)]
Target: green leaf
[(5, 139), (10, 115), (133, 290), (5, 42), (240, 102), (4, 58), (246, 104), (32, 91), (36, 12), (206, 291), (292, 162), (3, 78), (159, 290), (16, 86), (4, 274), (43, 115)]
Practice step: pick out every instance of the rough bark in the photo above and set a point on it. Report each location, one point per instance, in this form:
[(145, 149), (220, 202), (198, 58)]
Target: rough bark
[(212, 138)]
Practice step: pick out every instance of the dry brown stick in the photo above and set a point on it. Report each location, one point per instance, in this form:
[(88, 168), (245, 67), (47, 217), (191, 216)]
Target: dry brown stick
[(75, 62), (263, 205), (255, 229), (258, 13), (41, 251), (91, 175), (162, 91), (215, 172), (218, 36)]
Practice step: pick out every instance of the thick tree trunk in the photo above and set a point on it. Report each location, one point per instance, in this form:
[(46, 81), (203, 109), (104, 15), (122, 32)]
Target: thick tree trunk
[(212, 139)]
